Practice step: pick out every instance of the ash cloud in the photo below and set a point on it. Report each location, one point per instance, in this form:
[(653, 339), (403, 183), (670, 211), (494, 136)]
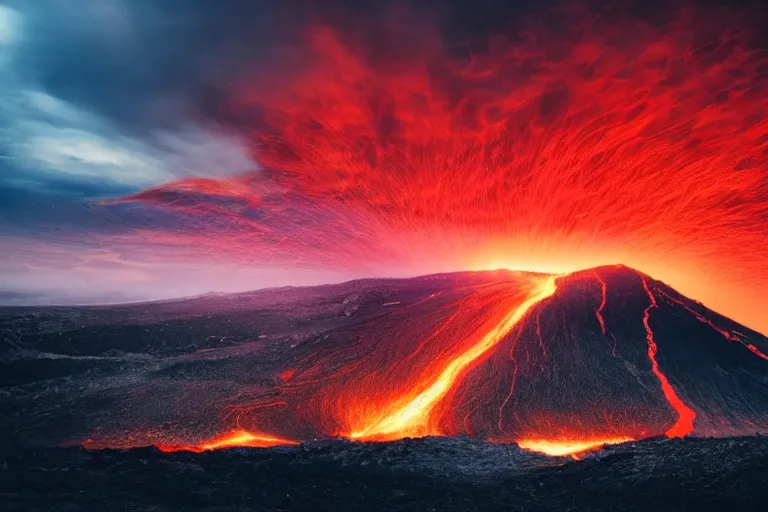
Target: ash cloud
[(98, 98)]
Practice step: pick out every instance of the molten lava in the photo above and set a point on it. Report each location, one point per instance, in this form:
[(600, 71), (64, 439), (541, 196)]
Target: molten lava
[(684, 424), (568, 447), (599, 312), (235, 438), (413, 418)]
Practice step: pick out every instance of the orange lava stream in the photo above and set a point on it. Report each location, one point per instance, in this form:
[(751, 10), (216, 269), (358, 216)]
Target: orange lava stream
[(684, 424), (235, 438), (599, 312), (568, 447), (411, 418)]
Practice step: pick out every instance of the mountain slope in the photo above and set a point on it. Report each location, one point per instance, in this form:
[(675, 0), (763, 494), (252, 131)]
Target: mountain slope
[(554, 363)]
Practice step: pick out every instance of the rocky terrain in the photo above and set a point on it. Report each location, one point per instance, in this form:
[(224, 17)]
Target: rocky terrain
[(427, 474), (119, 379)]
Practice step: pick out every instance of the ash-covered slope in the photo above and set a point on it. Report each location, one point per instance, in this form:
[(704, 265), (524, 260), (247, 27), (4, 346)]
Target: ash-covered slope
[(607, 354)]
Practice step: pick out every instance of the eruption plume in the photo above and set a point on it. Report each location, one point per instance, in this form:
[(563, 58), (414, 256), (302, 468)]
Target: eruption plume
[(571, 139)]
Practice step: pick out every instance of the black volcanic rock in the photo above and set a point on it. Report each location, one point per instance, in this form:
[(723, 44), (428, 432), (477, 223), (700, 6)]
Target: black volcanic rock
[(461, 474)]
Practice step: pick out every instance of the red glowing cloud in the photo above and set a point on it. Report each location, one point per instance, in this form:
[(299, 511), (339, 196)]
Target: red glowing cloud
[(552, 147)]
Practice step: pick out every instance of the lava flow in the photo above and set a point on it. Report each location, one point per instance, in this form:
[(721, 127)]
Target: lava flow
[(684, 424), (413, 418), (236, 438), (574, 448), (599, 312)]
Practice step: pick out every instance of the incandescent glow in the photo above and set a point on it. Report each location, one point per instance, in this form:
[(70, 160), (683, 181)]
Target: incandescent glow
[(757, 352), (412, 418), (394, 150), (568, 447), (684, 424), (599, 312), (235, 438)]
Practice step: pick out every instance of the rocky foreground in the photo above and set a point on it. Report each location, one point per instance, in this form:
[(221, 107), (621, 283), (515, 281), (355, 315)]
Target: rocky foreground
[(422, 474)]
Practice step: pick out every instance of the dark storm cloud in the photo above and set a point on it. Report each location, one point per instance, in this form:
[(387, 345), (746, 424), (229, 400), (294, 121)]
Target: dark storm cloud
[(98, 98), (139, 62), (154, 62)]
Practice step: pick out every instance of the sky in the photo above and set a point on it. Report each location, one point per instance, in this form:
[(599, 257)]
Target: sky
[(101, 100), (163, 148)]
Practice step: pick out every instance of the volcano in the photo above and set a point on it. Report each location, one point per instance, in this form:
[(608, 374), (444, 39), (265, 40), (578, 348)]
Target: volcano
[(559, 364)]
